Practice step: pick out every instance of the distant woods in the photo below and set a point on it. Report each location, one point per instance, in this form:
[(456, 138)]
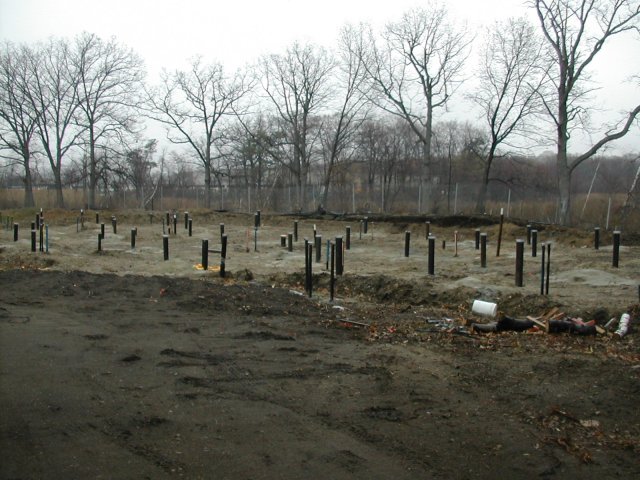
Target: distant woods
[(360, 126)]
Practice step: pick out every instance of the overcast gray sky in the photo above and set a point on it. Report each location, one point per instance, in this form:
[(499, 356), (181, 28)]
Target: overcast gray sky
[(166, 33)]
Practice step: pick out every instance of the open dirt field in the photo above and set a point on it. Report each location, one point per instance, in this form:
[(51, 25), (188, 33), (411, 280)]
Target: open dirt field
[(118, 364)]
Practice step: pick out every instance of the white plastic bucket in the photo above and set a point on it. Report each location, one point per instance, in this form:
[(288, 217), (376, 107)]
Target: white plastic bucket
[(623, 326), (484, 309)]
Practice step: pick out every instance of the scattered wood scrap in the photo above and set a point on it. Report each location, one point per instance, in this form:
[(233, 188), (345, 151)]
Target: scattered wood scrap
[(553, 321)]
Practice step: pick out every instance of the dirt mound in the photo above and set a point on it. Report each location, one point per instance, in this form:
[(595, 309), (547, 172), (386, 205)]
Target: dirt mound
[(24, 261)]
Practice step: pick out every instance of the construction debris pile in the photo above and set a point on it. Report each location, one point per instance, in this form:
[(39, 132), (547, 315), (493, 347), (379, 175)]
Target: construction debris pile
[(555, 321)]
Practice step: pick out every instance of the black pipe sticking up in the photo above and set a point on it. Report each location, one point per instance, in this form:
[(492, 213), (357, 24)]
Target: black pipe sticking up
[(407, 241), (529, 227), (616, 248), (534, 243), (165, 246), (15, 232), (306, 265), (310, 256), (295, 231), (542, 268), (332, 281), (347, 244), (500, 233), (339, 256), (190, 226), (175, 224), (483, 250), (596, 238), (205, 255), (308, 252), (432, 255), (328, 254), (290, 242), (519, 262), (477, 239), (223, 256), (546, 288), (318, 247)]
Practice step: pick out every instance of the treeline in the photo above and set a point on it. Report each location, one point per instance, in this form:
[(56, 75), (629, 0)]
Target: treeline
[(366, 114)]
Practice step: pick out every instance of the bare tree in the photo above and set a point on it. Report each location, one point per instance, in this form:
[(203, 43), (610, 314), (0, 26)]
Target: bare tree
[(511, 77), (109, 88), (577, 31), (252, 146), (53, 93), (191, 104), (631, 200), (339, 129), (386, 153), (17, 115), (416, 69), (369, 153), (296, 84), (396, 157), (448, 143), (136, 168)]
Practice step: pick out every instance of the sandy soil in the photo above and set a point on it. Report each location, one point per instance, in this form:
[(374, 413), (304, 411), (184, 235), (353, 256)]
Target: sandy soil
[(117, 364)]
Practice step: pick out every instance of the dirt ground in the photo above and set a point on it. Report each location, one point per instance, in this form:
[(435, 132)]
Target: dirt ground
[(118, 364)]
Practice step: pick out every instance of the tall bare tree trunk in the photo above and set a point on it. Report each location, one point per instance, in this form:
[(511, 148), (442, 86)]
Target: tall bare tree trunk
[(28, 179), (58, 184), (564, 195), (428, 136), (562, 162), (28, 187), (93, 169), (484, 187), (207, 187)]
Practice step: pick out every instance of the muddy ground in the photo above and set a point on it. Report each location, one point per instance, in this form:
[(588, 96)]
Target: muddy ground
[(117, 364)]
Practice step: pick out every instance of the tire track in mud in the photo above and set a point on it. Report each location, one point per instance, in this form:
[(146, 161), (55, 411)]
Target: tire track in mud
[(261, 387), (124, 438)]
